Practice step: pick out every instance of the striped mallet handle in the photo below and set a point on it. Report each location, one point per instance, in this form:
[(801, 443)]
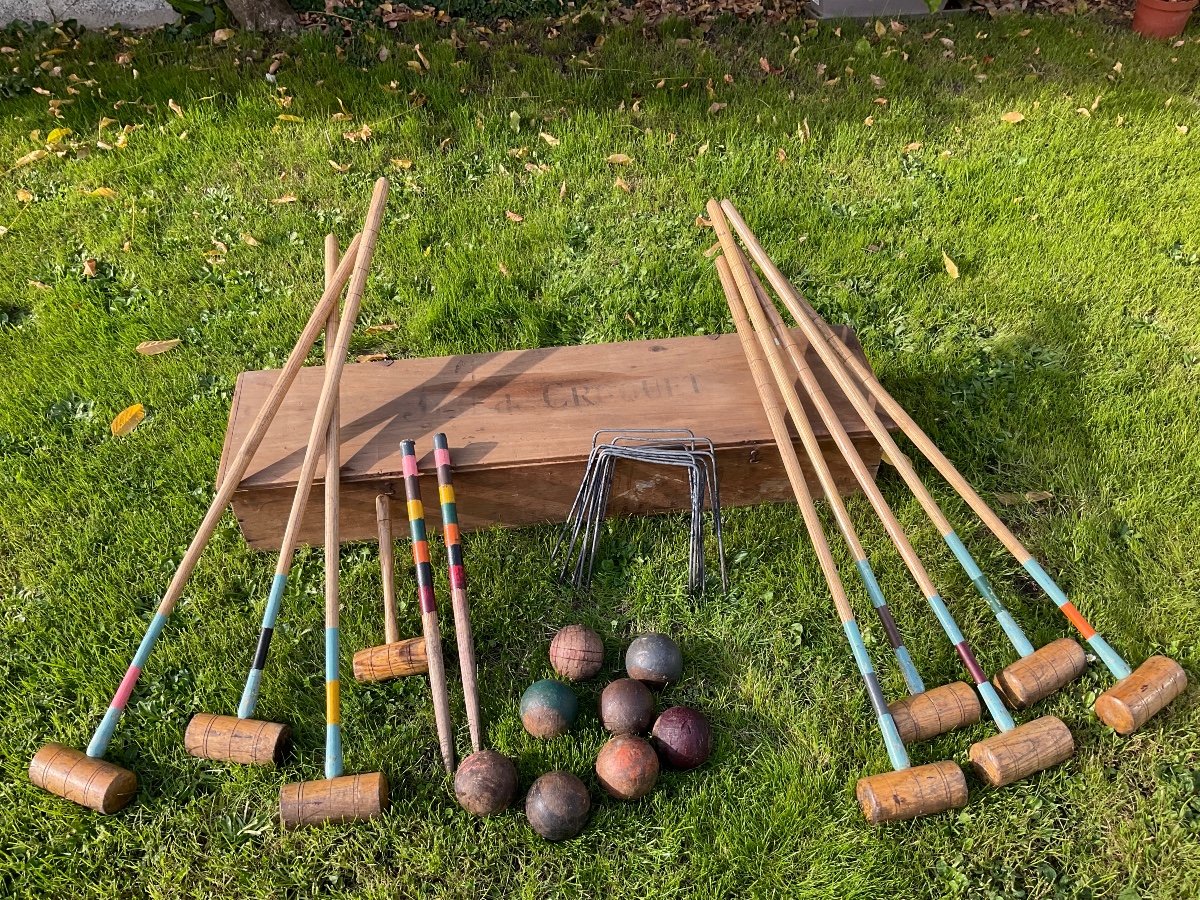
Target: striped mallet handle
[(841, 362), (333, 462), (425, 598), (458, 587), (230, 478), (335, 361)]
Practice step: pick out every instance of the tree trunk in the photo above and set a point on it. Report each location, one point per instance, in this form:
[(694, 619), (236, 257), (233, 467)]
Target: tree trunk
[(264, 15)]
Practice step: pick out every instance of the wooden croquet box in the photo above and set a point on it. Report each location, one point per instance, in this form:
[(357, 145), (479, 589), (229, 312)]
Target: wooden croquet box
[(520, 424)]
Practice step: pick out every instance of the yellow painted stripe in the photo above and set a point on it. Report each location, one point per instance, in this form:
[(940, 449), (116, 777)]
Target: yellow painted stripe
[(333, 702), (446, 493), (416, 510)]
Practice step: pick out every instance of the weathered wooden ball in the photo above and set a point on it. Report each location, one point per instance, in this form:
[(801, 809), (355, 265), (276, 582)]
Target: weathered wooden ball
[(627, 767), (576, 652), (557, 806), (485, 783), (626, 707), (682, 737), (548, 708), (655, 659)]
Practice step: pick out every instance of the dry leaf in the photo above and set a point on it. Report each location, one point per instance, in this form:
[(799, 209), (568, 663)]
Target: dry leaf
[(880, 30), (620, 159), (127, 420), (1012, 118), (951, 268), (340, 167), (913, 147), (105, 192), (713, 250), (503, 269), (877, 81), (363, 134), (175, 107), (371, 357), (30, 157), (421, 56), (248, 239), (380, 329), (702, 222), (562, 191), (549, 139), (105, 122), (153, 348), (1038, 496), (286, 198), (1008, 499), (402, 163), (512, 216), (89, 268), (287, 117), (1117, 67), (24, 196), (221, 35), (869, 121), (702, 149), (1182, 129), (781, 155), (716, 108), (623, 185)]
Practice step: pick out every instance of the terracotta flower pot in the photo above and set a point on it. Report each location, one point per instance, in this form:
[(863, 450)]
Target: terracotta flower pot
[(1162, 18)]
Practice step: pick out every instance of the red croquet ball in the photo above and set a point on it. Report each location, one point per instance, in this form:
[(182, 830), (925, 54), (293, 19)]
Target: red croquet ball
[(627, 767), (682, 737)]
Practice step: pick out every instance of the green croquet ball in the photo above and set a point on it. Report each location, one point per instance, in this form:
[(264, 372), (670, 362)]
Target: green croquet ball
[(548, 708)]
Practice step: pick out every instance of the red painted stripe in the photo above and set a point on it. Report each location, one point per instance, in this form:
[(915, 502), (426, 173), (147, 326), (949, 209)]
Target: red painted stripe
[(971, 664), (121, 697), (458, 577), (441, 457), (408, 465), (425, 596), (1075, 617)]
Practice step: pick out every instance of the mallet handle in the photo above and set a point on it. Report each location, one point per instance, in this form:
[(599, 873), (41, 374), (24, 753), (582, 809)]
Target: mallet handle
[(812, 523), (837, 357), (387, 567), (229, 482), (333, 465)]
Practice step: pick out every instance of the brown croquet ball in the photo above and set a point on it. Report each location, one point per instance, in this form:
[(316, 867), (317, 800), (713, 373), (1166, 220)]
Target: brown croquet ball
[(485, 783), (682, 737), (557, 806), (626, 707), (576, 652), (627, 767)]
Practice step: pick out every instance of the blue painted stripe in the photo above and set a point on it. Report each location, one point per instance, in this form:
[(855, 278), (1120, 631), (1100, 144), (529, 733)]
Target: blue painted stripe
[(104, 732), (870, 583), (149, 640), (858, 648), (1110, 657), (331, 654), (887, 726), (912, 678), (963, 556), (1016, 636), (947, 621), (897, 755), (250, 694), (333, 751), (1000, 714), (274, 600)]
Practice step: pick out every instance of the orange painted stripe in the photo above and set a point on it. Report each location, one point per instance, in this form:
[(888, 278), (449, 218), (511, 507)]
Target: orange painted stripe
[(421, 551), (1075, 617), (450, 532)]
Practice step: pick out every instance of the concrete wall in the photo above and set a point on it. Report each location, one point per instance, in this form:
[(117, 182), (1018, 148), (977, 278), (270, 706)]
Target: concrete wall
[(91, 13)]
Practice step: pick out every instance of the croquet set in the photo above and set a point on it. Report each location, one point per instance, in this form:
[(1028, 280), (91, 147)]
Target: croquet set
[(575, 436)]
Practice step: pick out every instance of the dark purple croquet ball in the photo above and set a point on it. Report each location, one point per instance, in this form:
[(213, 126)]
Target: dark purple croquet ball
[(557, 806), (682, 737), (654, 659), (627, 767), (626, 707), (548, 708), (485, 783)]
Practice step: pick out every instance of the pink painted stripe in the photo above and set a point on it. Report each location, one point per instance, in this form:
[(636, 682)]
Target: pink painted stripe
[(425, 596), (458, 577), (121, 697), (441, 457), (408, 465)]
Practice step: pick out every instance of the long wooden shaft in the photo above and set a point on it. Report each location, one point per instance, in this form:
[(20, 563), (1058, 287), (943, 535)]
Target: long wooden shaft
[(335, 361), (829, 416), (229, 482), (842, 362), (387, 567), (427, 602), (458, 588), (333, 464), (812, 523)]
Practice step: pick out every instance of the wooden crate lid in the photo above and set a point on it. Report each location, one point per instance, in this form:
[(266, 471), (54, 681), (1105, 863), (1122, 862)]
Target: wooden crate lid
[(519, 407)]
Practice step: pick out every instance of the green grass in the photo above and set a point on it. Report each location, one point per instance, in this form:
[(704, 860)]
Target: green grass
[(1065, 359)]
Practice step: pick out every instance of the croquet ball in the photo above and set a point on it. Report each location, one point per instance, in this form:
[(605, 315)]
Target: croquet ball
[(557, 806), (655, 659), (576, 652), (682, 737), (627, 767), (548, 708), (626, 707), (485, 783)]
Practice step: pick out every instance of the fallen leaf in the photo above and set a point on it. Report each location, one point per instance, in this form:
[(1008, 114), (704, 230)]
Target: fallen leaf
[(913, 147), (175, 107), (869, 121), (286, 198), (248, 239), (402, 163), (620, 159), (1008, 499), (105, 122), (221, 35), (57, 136), (951, 268), (880, 30), (1117, 67), (380, 329), (40, 285), (781, 155), (105, 192), (421, 56), (363, 134), (702, 222), (340, 167), (623, 185), (1012, 118), (503, 269), (716, 108), (549, 139), (371, 357), (512, 216), (1084, 111), (1182, 129), (288, 117), (702, 149), (877, 81), (24, 196), (562, 191), (1038, 496), (89, 268), (127, 420), (153, 348)]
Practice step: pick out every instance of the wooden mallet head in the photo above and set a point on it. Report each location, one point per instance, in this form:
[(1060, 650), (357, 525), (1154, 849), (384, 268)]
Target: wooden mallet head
[(924, 716), (74, 776), (1131, 702), (910, 793), (1040, 674), (230, 739), (387, 661), (1012, 755), (347, 798)]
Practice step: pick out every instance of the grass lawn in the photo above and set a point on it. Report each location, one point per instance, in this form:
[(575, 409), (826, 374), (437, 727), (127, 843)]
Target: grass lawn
[(1064, 359)]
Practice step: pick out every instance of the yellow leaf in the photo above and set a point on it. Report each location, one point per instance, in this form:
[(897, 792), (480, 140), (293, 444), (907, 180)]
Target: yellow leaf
[(1012, 118), (175, 107), (380, 329), (105, 121), (286, 198), (287, 117), (30, 157), (153, 348), (512, 216), (57, 135), (340, 167), (106, 193), (402, 163), (620, 159), (623, 185), (549, 139), (913, 147), (951, 268), (24, 196), (371, 357), (127, 420), (248, 239), (1038, 496), (221, 35)]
